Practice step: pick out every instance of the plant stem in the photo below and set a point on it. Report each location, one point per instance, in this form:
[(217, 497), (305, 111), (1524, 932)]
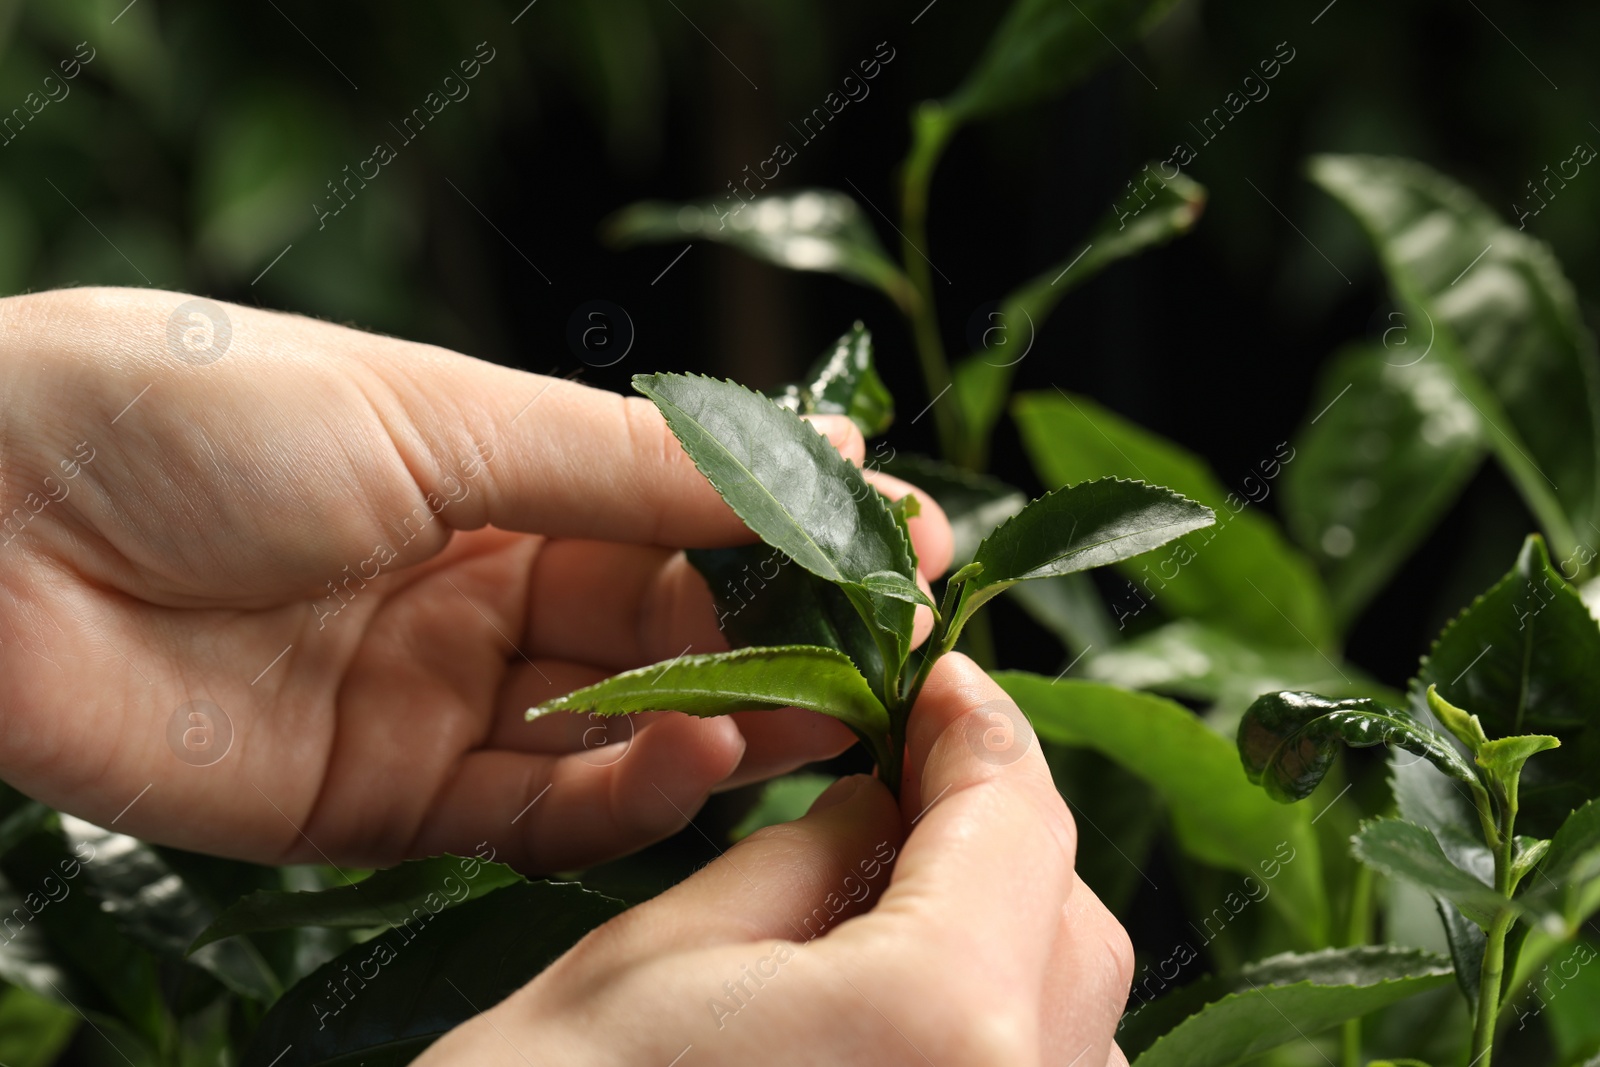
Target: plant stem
[(1358, 931), (930, 133), (1502, 842)]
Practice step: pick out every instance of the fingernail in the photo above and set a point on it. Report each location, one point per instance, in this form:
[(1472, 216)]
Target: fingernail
[(837, 793)]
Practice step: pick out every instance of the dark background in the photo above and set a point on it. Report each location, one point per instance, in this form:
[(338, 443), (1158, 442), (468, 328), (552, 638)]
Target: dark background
[(191, 150)]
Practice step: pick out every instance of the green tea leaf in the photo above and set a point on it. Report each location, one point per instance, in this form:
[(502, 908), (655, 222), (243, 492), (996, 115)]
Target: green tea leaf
[(1288, 740), (65, 946), (1217, 816), (385, 898), (1077, 528), (843, 381), (154, 906), (1404, 850), (385, 1000), (1504, 757), (812, 229), (974, 503), (1200, 662), (1509, 318), (1240, 574), (983, 379), (1525, 658), (33, 1031), (1390, 445), (782, 800), (1279, 1000), (762, 599), (793, 676), (1565, 888), (1042, 47), (795, 491)]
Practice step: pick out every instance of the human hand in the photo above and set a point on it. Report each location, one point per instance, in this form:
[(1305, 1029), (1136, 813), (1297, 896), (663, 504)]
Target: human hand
[(981, 945), (372, 556)]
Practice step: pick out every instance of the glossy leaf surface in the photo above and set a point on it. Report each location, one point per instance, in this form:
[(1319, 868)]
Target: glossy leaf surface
[(1240, 574), (1389, 443), (793, 489), (844, 381), (1507, 309), (1288, 740), (383, 1001), (1277, 1001), (1525, 659), (1407, 851), (1206, 663), (812, 229), (1077, 528), (798, 676), (1218, 817)]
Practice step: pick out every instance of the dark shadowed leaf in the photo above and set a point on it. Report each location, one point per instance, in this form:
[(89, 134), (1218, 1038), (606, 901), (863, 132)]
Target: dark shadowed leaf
[(974, 503), (797, 676), (782, 800), (1195, 661), (1221, 1022), (843, 381), (33, 1031), (1525, 658), (1241, 574), (1218, 817), (983, 379), (1509, 317), (68, 948), (385, 1000), (1076, 529), (1391, 443), (155, 907), (1042, 47), (761, 598), (812, 229), (1566, 885), (1288, 740), (385, 898), (794, 490), (1410, 852)]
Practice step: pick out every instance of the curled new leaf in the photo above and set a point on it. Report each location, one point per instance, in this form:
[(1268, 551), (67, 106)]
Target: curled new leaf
[(843, 381), (793, 676), (1288, 740)]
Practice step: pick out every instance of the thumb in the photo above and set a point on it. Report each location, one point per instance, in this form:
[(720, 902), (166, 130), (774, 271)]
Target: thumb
[(795, 881)]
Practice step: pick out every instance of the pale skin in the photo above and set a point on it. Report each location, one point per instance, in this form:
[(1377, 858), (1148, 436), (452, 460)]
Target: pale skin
[(374, 556)]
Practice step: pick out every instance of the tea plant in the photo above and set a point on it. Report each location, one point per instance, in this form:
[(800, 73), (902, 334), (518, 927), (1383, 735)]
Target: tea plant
[(1524, 657), (805, 500)]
